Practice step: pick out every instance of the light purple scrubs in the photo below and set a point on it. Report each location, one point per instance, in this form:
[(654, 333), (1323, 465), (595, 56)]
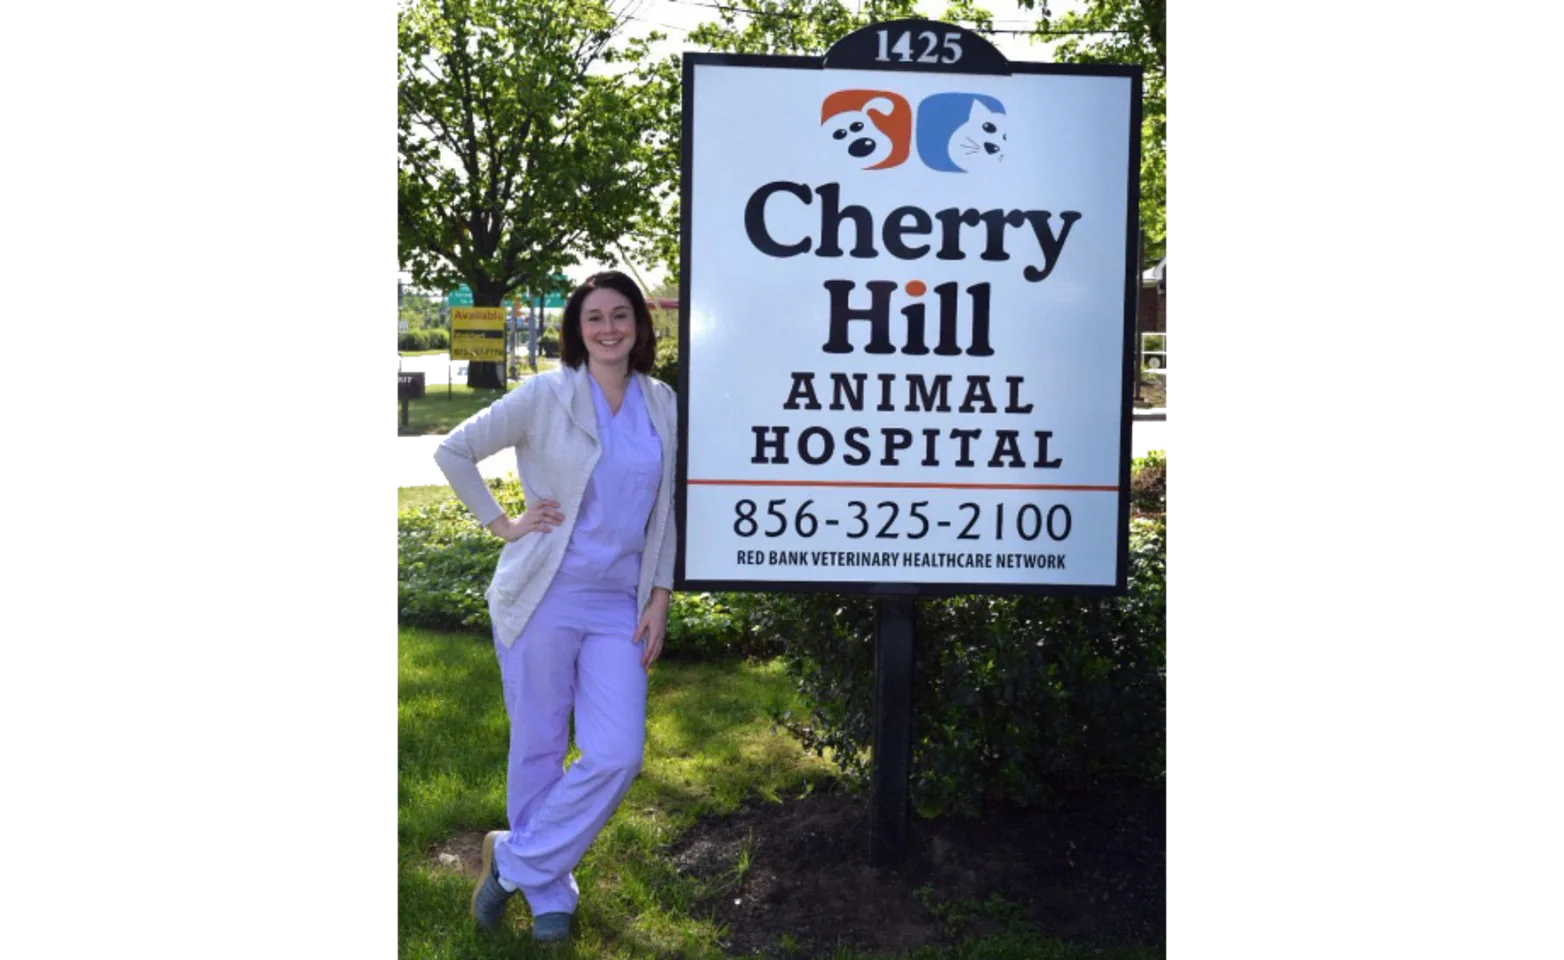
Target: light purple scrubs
[(576, 652)]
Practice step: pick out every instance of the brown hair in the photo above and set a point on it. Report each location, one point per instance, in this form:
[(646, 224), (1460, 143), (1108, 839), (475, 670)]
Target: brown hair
[(572, 348)]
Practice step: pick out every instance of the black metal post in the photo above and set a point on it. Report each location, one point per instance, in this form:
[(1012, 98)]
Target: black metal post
[(895, 626)]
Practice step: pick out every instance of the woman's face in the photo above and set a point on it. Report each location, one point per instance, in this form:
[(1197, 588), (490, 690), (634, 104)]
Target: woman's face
[(608, 326)]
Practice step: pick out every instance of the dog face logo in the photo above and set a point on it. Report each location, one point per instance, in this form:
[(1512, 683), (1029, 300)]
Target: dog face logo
[(872, 129), (962, 132)]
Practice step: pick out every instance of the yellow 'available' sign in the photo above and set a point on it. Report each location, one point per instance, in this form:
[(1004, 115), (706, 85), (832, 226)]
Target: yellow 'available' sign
[(478, 334)]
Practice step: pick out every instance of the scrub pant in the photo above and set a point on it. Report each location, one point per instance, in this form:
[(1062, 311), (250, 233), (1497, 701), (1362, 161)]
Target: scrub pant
[(576, 651)]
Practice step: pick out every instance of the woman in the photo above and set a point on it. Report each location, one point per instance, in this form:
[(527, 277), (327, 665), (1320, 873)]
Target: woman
[(580, 596)]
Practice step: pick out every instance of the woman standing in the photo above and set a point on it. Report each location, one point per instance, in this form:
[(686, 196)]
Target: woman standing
[(580, 595)]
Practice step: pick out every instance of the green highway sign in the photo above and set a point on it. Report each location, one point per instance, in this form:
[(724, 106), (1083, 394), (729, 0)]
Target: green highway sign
[(462, 295), (555, 299)]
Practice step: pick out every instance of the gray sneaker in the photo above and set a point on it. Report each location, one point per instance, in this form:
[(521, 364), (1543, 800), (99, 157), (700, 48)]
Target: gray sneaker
[(551, 927), (488, 897)]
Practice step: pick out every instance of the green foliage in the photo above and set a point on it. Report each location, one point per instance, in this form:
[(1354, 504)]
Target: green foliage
[(445, 561), (420, 312), (548, 342), (1149, 483), (1015, 697), (413, 340), (1129, 31), (713, 625), (521, 147), (794, 26), (666, 366)]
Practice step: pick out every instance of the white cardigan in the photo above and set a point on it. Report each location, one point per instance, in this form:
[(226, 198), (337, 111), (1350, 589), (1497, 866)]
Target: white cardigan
[(550, 420)]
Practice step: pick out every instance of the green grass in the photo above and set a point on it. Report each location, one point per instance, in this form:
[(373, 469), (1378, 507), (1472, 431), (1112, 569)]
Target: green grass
[(409, 497), (422, 353), (710, 745), (435, 413)]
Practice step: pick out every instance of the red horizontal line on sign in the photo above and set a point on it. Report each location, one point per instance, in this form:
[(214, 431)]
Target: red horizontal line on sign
[(893, 484)]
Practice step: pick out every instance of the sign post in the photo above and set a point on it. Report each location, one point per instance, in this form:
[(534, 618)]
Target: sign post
[(906, 349), (532, 335)]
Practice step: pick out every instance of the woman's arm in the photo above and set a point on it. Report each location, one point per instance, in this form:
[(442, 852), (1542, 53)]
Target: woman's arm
[(500, 425)]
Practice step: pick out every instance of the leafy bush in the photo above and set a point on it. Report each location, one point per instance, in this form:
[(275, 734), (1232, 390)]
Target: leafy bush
[(1149, 483), (445, 561), (711, 625), (666, 366), (437, 338), (413, 340), (1014, 697), (548, 342)]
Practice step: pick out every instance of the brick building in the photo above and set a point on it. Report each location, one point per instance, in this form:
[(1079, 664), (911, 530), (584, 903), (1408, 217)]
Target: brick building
[(1154, 299)]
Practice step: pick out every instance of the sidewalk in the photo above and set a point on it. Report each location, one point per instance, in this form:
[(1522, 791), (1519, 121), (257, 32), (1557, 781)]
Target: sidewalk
[(496, 466), (499, 465)]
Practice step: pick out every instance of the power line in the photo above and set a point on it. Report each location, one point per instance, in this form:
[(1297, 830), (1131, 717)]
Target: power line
[(667, 26), (788, 15)]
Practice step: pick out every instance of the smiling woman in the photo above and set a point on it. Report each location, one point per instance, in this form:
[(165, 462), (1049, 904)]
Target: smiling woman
[(607, 321), (580, 595)]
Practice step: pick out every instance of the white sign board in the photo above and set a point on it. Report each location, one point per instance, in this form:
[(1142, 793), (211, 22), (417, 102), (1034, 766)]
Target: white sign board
[(906, 325)]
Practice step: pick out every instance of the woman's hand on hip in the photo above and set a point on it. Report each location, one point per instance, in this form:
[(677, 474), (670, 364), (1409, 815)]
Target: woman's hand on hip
[(653, 627), (542, 517)]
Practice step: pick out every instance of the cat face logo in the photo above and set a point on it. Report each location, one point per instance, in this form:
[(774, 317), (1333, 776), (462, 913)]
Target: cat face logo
[(870, 129), (962, 132)]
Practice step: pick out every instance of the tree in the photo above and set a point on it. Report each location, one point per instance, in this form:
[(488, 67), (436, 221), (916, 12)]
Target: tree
[(1127, 31), (420, 311), (521, 147), (794, 26)]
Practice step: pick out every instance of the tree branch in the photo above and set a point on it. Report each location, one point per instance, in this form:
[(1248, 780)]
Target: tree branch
[(460, 60)]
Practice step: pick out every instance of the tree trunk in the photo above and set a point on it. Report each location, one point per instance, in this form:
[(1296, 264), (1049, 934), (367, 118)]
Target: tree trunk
[(485, 375)]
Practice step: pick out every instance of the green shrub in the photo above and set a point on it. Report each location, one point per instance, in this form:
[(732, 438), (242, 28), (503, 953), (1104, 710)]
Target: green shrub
[(704, 626), (437, 338), (445, 561), (666, 366), (413, 340), (1149, 483), (548, 342), (1016, 700)]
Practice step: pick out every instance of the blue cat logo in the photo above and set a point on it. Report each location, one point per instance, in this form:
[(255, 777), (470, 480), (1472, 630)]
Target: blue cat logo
[(961, 132)]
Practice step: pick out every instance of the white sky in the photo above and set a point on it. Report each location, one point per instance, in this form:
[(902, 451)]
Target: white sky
[(677, 17)]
